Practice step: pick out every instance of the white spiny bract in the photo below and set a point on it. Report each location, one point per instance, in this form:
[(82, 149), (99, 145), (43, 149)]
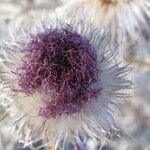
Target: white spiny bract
[(38, 110)]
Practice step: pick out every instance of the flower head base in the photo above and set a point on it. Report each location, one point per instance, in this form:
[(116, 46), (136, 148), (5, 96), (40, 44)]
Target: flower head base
[(61, 63), (60, 82), (108, 2)]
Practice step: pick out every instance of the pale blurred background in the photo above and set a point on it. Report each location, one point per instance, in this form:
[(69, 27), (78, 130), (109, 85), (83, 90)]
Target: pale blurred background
[(135, 115)]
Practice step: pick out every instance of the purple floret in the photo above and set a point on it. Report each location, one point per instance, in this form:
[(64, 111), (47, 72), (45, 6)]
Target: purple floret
[(61, 63)]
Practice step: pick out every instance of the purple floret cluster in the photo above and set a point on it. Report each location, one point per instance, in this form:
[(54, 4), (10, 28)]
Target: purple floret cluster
[(61, 63)]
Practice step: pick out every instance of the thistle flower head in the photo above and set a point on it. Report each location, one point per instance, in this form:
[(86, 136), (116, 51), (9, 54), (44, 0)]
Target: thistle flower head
[(125, 18), (61, 63), (60, 83)]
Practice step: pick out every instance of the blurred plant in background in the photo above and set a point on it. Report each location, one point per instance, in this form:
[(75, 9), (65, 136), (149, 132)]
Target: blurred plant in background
[(127, 21)]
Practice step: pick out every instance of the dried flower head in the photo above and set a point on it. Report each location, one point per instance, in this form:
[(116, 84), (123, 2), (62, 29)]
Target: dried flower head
[(123, 18), (60, 81)]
